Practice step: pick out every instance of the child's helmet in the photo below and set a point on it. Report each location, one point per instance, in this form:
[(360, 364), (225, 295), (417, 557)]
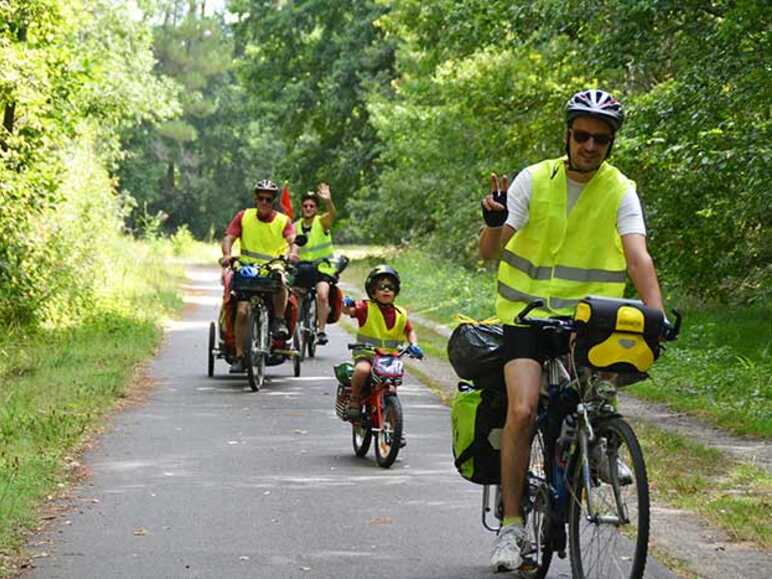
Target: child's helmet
[(377, 272)]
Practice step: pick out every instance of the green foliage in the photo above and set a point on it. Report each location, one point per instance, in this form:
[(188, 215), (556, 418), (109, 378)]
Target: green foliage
[(719, 369), (197, 168), (74, 73), (308, 66), (481, 88), (57, 383), (182, 241)]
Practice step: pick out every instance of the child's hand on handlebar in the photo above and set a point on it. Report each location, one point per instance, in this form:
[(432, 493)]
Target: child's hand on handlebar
[(415, 351)]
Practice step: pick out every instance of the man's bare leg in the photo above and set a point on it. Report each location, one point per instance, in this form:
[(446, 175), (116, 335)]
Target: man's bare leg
[(523, 378)]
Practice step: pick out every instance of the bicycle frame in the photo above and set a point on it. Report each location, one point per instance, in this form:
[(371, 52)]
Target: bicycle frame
[(380, 385)]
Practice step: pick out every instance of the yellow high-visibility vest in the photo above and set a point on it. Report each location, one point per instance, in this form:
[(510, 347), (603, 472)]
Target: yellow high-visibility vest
[(563, 258), (375, 331), (261, 241), (319, 244)]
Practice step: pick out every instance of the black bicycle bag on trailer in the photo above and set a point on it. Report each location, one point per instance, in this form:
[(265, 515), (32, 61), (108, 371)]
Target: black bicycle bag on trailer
[(477, 420), (616, 335)]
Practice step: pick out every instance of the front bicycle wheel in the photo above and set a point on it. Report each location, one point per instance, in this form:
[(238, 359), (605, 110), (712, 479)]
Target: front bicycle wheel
[(537, 508), (609, 506), (388, 440), (311, 327), (255, 356)]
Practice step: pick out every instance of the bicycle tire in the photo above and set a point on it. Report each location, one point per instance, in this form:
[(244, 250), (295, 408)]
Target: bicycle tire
[(361, 437), (312, 328), (607, 550), (537, 508), (255, 358), (210, 357), (388, 440)]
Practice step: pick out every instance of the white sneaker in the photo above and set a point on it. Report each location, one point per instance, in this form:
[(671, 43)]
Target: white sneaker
[(508, 548), (604, 472)]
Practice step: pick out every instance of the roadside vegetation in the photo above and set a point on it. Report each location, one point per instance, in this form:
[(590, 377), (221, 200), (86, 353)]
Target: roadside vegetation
[(61, 379)]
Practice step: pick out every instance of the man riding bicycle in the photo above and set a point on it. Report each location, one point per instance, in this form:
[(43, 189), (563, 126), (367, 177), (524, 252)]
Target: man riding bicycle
[(317, 229), (263, 234), (566, 228)]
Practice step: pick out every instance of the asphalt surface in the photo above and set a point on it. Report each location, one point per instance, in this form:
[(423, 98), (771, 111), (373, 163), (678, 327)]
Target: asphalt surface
[(208, 479)]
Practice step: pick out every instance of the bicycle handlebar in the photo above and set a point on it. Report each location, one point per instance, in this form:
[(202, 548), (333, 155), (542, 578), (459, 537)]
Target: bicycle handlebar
[(402, 351), (233, 260)]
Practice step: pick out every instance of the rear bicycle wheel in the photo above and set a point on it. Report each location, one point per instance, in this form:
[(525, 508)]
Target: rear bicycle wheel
[(296, 345), (210, 359), (611, 540), (362, 434), (537, 508), (388, 440)]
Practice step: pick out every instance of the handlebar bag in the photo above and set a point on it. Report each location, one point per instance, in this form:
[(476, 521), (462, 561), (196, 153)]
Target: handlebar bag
[(476, 350), (260, 283), (477, 420), (616, 335)]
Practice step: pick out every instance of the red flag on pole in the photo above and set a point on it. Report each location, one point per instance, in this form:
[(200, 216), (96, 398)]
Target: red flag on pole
[(286, 202)]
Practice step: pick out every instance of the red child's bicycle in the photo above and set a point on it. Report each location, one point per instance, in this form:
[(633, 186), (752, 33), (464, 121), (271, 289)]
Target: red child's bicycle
[(381, 408)]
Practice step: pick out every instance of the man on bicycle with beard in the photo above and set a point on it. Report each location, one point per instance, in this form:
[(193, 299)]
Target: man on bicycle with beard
[(319, 245), (263, 234), (565, 229)]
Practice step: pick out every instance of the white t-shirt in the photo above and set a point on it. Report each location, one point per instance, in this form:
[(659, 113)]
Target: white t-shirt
[(629, 214)]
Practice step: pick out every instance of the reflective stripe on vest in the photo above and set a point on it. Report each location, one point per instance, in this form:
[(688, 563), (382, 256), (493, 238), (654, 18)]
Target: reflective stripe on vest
[(561, 271), (261, 241), (562, 258), (376, 333), (319, 245)]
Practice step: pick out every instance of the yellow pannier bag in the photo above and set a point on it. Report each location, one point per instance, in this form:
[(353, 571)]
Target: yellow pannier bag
[(617, 335)]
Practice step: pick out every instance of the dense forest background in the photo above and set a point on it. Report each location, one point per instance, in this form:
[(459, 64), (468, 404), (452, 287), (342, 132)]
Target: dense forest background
[(148, 117)]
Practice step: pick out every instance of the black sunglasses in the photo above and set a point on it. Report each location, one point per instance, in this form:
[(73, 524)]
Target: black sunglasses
[(386, 287), (264, 199), (600, 138)]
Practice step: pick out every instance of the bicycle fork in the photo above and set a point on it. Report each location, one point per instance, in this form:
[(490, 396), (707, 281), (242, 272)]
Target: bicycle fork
[(586, 437)]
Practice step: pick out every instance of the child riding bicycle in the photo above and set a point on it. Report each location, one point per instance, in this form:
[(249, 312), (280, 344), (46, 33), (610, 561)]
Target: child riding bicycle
[(382, 324)]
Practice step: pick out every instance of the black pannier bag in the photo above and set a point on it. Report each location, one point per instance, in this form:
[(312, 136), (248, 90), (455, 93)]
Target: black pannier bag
[(477, 421), (617, 335), (476, 350)]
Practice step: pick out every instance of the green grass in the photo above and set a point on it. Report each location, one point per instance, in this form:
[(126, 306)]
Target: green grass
[(719, 369), (732, 495), (60, 381)]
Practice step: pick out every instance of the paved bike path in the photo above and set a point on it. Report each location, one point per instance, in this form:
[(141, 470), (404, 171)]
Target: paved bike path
[(208, 479)]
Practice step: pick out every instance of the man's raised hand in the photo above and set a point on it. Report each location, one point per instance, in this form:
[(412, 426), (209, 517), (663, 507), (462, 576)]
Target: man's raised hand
[(324, 192), (494, 205)]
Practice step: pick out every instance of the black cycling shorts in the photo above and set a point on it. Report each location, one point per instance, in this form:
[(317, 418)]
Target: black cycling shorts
[(525, 342)]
